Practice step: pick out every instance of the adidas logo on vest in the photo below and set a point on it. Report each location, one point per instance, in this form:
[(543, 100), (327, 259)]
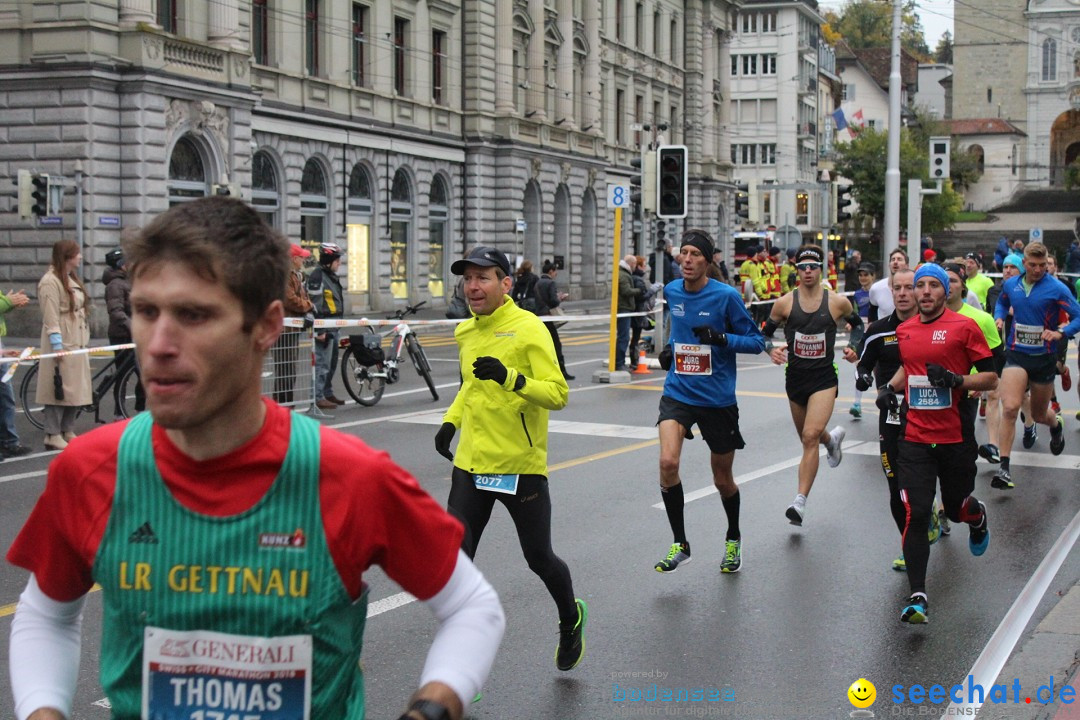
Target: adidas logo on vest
[(144, 534)]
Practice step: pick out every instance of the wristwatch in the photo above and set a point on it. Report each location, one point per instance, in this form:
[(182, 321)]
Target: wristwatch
[(429, 710), (519, 382)]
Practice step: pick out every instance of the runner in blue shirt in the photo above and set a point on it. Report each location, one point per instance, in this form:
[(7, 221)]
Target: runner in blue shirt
[(1037, 303), (709, 324)]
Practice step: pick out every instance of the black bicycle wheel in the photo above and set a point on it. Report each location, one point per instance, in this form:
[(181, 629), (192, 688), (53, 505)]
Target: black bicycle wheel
[(34, 411), (420, 362), (129, 392), (364, 383)]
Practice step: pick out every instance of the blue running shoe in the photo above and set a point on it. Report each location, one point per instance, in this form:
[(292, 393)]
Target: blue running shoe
[(979, 535), (915, 611)]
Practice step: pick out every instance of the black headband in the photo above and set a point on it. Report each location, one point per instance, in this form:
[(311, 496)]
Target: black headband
[(810, 255), (698, 240)]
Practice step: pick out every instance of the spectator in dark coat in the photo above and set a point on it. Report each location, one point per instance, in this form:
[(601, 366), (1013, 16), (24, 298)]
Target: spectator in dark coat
[(118, 303)]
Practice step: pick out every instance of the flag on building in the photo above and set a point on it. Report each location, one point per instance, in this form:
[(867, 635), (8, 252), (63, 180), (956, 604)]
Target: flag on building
[(858, 119), (839, 119)]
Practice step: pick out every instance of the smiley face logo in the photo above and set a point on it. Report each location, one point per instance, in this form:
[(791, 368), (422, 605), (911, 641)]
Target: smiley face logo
[(862, 693)]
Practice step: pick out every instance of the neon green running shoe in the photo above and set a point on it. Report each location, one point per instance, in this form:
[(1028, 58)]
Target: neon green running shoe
[(572, 639), (899, 564), (935, 527), (678, 554), (732, 556)]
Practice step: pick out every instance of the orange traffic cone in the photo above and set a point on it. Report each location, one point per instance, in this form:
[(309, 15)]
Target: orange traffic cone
[(642, 367)]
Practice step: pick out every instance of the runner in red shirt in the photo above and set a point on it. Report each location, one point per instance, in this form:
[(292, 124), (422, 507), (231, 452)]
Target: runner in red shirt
[(220, 518), (938, 348)]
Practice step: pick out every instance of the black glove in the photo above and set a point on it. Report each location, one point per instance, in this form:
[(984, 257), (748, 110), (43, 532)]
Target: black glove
[(940, 377), (442, 440), (309, 321), (665, 357), (707, 336), (887, 400), (863, 382), (489, 368)]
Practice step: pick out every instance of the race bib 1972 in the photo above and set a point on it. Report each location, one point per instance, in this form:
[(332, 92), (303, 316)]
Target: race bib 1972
[(692, 359)]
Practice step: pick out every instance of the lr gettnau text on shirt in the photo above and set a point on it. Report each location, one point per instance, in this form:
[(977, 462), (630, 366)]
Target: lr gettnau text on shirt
[(216, 579)]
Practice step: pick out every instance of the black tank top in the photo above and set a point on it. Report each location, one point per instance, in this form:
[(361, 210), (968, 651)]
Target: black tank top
[(811, 337)]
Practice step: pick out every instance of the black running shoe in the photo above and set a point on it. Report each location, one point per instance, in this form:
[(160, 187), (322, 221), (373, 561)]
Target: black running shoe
[(1002, 479), (1031, 434), (572, 639), (1057, 436), (979, 535)]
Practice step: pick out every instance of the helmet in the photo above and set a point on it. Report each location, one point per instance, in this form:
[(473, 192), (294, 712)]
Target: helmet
[(114, 258), (329, 252)]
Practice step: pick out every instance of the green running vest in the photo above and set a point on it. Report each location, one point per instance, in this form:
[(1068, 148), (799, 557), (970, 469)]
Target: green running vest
[(266, 572)]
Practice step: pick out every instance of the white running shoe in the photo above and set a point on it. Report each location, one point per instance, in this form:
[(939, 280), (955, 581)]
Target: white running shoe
[(833, 448)]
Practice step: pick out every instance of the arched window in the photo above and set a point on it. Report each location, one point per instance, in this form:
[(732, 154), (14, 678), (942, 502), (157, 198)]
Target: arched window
[(187, 173), (979, 155), (1049, 60), (265, 195), (358, 229), (401, 219), (314, 204), (438, 235)]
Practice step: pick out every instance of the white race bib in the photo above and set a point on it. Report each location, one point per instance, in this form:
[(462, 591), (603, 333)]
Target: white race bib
[(204, 675), (1029, 335), (692, 359), (809, 347), (924, 396)]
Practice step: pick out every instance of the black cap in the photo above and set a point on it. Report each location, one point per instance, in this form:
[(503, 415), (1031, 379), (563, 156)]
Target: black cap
[(974, 256), (482, 256), (867, 267)]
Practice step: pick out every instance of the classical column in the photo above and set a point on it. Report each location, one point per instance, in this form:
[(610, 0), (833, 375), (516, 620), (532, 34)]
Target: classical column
[(564, 101), (708, 75), (593, 102), (137, 11), (504, 57), (223, 29), (535, 94), (723, 150)]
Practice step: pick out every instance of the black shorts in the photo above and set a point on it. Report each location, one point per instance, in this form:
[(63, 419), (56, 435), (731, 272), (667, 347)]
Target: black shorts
[(801, 384), (1041, 369), (921, 466), (719, 426)]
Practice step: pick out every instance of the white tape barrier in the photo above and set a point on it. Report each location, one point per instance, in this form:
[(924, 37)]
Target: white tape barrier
[(25, 356)]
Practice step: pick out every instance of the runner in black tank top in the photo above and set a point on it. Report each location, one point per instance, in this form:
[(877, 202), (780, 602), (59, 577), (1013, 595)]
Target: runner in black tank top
[(809, 315)]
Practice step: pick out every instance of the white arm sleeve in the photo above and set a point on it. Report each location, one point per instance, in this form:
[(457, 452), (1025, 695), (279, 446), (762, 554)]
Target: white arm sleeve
[(471, 624), (46, 637)]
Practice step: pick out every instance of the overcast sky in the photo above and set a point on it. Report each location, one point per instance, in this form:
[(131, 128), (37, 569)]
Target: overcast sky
[(936, 17)]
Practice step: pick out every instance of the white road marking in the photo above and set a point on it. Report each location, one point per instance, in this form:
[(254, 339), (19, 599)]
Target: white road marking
[(993, 657), (389, 603), (1019, 460)]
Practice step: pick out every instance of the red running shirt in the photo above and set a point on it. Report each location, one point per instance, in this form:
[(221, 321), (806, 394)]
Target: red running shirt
[(956, 343), (374, 512)]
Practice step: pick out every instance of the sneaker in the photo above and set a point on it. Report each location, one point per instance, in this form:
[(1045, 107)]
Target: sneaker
[(732, 556), (935, 528), (1066, 380), (982, 406), (943, 521), (677, 555), (990, 453), (1078, 414), (914, 611), (1055, 406), (796, 511), (16, 450), (855, 411), (1057, 436), (1002, 480), (1031, 434), (899, 564), (834, 449), (572, 639), (325, 404), (979, 535)]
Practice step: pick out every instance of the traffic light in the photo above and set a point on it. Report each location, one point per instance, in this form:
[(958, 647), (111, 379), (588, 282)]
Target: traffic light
[(742, 201), (939, 157), (40, 195), (643, 184), (671, 181), (661, 232), (26, 201), (843, 200)]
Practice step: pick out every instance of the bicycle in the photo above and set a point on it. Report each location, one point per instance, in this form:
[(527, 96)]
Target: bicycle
[(121, 381), (366, 369)]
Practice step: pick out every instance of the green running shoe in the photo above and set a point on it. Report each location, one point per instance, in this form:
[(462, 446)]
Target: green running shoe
[(572, 639), (935, 528), (899, 564), (732, 556), (678, 554)]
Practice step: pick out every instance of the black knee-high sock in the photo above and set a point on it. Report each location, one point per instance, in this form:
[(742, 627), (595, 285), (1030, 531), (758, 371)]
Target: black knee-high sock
[(673, 504), (731, 507)]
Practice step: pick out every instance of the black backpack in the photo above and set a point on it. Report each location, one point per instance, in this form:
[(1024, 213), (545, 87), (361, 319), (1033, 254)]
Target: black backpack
[(524, 293)]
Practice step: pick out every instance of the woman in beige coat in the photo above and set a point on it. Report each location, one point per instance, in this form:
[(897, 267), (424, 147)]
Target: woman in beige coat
[(64, 307)]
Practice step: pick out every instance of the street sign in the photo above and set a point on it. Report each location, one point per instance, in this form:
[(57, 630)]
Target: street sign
[(521, 225), (787, 237), (1035, 235), (618, 196), (51, 220), (108, 221)]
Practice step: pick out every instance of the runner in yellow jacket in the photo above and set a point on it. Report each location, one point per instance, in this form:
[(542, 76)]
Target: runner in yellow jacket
[(511, 380)]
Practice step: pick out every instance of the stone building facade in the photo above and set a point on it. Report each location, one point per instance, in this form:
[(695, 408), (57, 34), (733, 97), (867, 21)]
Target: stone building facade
[(406, 132)]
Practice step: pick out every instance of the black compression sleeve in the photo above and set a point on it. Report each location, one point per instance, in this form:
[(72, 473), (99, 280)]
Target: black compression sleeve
[(985, 364), (770, 328)]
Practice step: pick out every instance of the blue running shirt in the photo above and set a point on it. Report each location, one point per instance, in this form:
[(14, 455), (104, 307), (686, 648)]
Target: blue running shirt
[(1035, 310), (721, 307)]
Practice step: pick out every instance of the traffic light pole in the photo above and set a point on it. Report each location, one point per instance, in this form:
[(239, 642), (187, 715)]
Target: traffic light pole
[(915, 191)]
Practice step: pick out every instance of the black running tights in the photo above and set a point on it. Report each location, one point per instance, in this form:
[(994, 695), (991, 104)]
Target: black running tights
[(530, 509)]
